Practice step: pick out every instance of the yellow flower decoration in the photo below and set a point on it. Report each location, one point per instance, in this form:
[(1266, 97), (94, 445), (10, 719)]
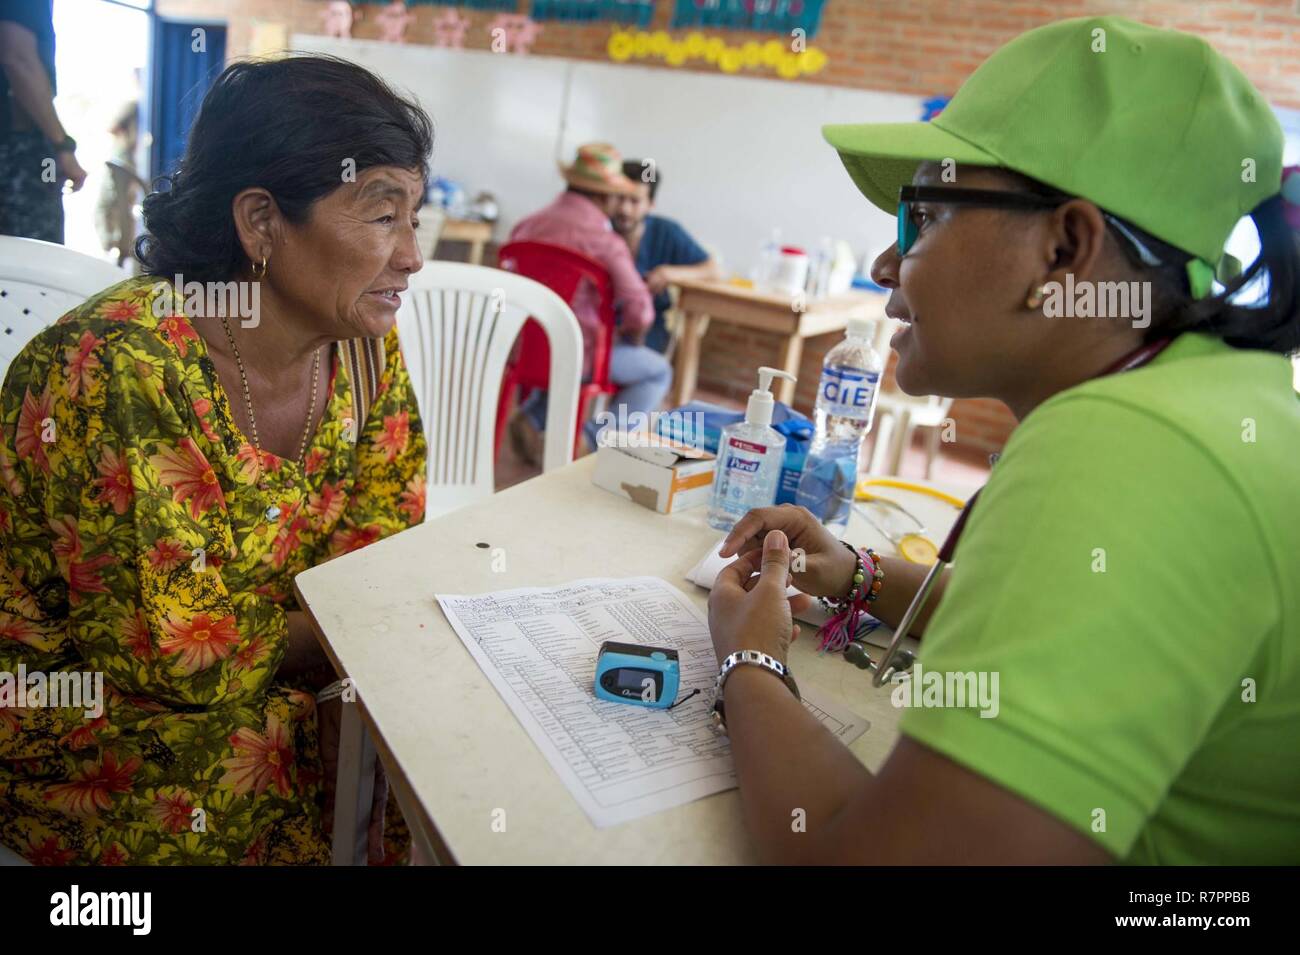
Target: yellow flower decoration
[(813, 60), (624, 45), (620, 46)]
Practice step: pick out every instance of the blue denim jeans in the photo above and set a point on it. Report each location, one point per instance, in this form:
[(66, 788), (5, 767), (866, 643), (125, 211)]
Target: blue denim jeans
[(643, 377)]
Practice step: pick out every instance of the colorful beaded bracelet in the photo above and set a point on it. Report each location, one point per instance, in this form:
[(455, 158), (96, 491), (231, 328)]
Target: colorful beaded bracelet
[(837, 632), (838, 604)]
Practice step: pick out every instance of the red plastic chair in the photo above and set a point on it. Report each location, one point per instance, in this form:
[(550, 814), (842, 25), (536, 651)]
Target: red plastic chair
[(563, 271)]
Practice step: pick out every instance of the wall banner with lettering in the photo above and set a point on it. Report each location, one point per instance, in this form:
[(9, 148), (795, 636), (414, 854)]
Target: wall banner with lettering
[(628, 12), (499, 6), (764, 16)]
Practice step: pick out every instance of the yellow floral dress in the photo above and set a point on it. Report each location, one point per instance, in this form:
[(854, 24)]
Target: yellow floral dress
[(143, 538)]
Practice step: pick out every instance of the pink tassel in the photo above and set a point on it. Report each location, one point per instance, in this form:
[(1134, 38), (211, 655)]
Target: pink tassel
[(837, 632)]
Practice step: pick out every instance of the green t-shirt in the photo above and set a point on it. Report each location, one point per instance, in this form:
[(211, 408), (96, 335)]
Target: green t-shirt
[(1132, 574)]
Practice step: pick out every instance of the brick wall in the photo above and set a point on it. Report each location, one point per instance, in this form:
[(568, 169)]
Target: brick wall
[(925, 47), (729, 360)]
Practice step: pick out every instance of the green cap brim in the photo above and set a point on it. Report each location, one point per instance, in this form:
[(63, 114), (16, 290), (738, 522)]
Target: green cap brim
[(882, 157)]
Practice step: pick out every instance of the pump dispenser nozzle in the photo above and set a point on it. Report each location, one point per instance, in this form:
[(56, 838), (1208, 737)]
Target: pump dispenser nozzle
[(759, 409)]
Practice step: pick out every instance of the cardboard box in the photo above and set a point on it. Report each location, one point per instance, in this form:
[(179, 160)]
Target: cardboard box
[(655, 472), (702, 423)]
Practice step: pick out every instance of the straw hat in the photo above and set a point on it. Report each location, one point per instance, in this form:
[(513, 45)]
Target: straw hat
[(598, 168)]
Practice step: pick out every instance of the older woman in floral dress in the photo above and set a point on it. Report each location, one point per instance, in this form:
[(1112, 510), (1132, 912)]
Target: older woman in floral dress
[(167, 467)]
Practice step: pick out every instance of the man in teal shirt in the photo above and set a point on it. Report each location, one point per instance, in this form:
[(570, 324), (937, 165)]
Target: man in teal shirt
[(664, 251)]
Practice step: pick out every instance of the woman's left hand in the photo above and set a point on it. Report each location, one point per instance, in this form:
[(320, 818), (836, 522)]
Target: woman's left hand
[(753, 613)]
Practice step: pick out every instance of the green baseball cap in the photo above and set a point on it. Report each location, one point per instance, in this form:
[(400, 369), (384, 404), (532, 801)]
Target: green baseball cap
[(1152, 125)]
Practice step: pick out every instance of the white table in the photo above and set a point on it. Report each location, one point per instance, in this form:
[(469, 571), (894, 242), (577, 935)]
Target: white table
[(701, 300), (454, 753)]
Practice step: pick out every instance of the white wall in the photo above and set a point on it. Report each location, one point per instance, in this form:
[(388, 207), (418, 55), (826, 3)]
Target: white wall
[(737, 155)]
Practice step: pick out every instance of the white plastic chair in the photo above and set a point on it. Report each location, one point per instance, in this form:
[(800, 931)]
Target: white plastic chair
[(432, 219), (39, 281), (457, 324), (897, 418), (898, 415)]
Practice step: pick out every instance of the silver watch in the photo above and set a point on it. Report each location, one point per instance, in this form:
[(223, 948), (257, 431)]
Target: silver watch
[(755, 658)]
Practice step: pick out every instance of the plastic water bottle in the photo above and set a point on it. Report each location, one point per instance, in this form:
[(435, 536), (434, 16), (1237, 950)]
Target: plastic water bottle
[(768, 257), (846, 405), (820, 272)]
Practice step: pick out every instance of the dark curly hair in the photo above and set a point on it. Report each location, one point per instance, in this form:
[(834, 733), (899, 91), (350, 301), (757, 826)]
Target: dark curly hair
[(287, 125)]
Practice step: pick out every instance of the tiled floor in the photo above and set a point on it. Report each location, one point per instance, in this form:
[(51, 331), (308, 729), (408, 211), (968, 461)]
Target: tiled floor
[(960, 469)]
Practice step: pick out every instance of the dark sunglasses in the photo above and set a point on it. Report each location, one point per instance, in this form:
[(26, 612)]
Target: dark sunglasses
[(908, 196)]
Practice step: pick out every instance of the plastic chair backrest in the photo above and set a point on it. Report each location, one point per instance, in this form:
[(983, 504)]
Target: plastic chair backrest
[(457, 324), (564, 272), (39, 282)]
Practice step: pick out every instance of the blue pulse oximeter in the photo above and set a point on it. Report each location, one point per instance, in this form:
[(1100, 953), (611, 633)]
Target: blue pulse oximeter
[(640, 675)]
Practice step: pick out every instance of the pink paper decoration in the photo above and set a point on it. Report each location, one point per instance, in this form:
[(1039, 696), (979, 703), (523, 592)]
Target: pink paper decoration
[(393, 20), (338, 19), (449, 27), (520, 31)]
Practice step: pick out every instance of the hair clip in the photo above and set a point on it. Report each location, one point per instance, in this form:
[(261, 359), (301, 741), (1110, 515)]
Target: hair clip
[(1291, 196)]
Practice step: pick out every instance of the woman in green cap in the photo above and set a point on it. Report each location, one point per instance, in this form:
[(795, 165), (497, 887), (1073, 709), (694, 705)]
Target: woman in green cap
[(1130, 579)]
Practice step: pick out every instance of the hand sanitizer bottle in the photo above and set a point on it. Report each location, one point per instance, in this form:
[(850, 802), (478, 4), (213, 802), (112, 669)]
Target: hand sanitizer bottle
[(750, 454)]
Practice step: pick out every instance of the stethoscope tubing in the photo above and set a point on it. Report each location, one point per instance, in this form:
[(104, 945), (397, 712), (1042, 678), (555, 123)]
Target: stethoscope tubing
[(882, 671)]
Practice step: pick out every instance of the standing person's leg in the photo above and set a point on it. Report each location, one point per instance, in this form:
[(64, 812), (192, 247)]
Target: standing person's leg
[(31, 196), (643, 377)]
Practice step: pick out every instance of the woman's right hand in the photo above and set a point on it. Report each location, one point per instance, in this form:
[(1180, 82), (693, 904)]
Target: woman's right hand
[(825, 568)]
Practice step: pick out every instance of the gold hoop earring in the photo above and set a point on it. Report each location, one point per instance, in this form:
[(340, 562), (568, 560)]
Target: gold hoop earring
[(1035, 297), (260, 274)]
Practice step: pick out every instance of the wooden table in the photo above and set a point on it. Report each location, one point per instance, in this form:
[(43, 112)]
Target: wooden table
[(765, 311), (453, 750), (477, 234)]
